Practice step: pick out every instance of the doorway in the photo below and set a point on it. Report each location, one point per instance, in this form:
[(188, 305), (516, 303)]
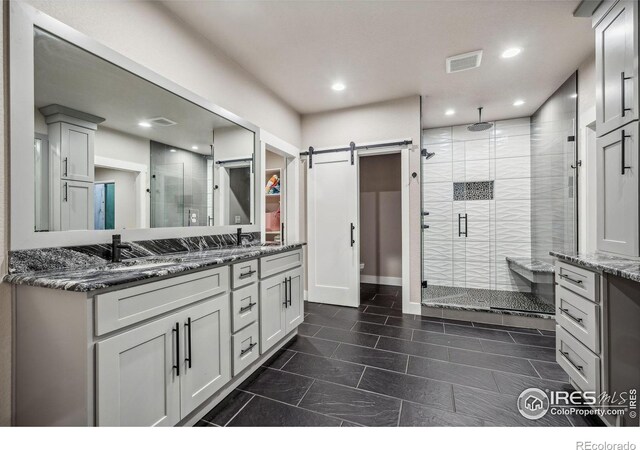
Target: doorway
[(380, 208), (274, 196)]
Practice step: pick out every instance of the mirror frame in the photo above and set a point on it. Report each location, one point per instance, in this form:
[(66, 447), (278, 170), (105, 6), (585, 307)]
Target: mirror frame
[(23, 18)]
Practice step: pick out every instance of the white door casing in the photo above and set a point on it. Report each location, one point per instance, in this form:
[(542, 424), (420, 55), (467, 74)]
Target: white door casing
[(332, 209)]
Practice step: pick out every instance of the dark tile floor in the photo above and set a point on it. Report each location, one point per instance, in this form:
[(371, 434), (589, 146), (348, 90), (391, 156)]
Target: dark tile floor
[(374, 366)]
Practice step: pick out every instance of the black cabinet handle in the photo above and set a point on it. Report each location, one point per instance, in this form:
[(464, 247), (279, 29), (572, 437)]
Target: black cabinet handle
[(566, 355), (66, 166), (176, 330), (623, 79), (568, 278), (286, 301), (65, 195), (248, 349), (290, 291), (623, 152), (247, 308), (188, 328), (570, 316), (352, 240), (242, 276)]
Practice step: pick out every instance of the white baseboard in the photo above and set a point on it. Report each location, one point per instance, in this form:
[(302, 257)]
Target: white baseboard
[(374, 279)]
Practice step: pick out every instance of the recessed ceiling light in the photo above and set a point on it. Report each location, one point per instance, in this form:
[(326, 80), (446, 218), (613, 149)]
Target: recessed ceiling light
[(449, 112), (194, 147), (518, 103), (511, 52), (173, 150), (144, 124), (338, 86)]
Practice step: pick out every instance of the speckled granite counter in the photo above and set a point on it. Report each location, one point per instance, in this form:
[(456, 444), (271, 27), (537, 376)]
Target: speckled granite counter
[(614, 265), (76, 270)]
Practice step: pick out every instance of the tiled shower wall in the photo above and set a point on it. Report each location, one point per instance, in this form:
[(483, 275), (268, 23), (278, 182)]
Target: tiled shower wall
[(498, 221)]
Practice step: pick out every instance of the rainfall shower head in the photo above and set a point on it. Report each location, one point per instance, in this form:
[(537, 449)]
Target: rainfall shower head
[(427, 154), (480, 125)]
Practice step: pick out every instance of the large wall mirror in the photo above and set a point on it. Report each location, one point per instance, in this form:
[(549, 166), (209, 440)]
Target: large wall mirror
[(113, 151)]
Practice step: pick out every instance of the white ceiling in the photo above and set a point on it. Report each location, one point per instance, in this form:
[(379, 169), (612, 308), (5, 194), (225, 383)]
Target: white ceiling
[(389, 49), (69, 76)]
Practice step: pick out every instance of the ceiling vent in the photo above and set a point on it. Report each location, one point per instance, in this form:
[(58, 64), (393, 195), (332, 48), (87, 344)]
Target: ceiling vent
[(463, 62), (161, 122)]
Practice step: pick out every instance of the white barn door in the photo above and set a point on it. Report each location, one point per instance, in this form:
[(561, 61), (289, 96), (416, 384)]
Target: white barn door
[(333, 231)]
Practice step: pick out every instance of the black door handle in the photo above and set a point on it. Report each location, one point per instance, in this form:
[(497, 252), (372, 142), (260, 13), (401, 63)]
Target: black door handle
[(352, 240), (623, 152), (623, 93), (188, 327), (290, 291), (176, 330), (466, 225), (286, 301)]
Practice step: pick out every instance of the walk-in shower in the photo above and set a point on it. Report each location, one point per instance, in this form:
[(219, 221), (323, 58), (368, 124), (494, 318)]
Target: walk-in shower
[(496, 200)]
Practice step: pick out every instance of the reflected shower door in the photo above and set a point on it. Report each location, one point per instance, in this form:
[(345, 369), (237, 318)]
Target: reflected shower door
[(167, 196)]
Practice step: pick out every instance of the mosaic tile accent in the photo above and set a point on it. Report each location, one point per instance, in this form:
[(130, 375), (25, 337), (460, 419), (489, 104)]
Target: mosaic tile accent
[(473, 190)]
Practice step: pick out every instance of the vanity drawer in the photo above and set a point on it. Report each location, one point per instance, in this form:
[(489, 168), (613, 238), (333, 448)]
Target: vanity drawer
[(245, 348), (578, 280), (244, 273), (578, 361), (244, 307), (271, 265), (578, 316), (119, 309)]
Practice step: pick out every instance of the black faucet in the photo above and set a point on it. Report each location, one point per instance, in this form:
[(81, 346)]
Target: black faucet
[(240, 235), (116, 247)]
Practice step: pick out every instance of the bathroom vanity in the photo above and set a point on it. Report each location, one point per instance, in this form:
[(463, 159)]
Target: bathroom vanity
[(153, 341), (598, 325)]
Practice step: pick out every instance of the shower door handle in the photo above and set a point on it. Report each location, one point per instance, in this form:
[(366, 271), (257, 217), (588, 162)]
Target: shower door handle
[(466, 224), (352, 228)]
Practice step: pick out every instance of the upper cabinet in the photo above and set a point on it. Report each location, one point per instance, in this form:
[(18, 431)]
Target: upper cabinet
[(617, 68)]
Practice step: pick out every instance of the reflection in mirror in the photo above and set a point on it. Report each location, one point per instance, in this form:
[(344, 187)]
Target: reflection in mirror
[(115, 151)]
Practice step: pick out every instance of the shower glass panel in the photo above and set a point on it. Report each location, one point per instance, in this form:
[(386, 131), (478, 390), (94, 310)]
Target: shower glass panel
[(167, 195), (495, 203)]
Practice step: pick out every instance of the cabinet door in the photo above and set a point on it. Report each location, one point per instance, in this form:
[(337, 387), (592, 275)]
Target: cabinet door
[(616, 68), (76, 153), (206, 364), (294, 311), (617, 169), (137, 384), (76, 206), (272, 316)]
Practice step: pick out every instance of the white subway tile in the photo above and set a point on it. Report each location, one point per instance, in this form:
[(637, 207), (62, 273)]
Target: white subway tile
[(507, 168)]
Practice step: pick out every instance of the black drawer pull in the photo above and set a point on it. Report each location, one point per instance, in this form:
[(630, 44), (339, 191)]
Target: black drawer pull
[(570, 316), (188, 327), (566, 355), (568, 278), (176, 330), (242, 276), (623, 152), (248, 349), (247, 308)]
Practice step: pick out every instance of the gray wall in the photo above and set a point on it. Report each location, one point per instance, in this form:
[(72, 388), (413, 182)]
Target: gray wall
[(553, 184)]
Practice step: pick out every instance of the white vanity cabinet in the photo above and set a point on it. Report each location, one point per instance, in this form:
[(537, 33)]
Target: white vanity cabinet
[(281, 297), (157, 353), (158, 373), (618, 148), (617, 66)]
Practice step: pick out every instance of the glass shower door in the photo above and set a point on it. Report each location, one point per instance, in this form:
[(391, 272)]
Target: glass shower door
[(167, 195)]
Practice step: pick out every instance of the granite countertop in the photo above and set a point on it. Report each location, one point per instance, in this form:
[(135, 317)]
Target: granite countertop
[(614, 265), (97, 274), (532, 265)]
